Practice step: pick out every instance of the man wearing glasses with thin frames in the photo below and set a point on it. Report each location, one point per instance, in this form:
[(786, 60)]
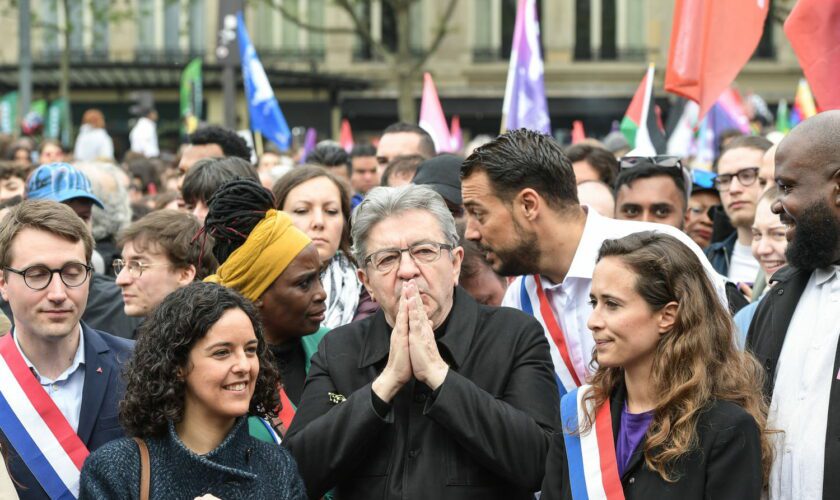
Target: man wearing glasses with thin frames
[(45, 251)]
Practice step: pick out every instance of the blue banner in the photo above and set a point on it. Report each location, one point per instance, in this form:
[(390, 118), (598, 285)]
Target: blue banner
[(263, 108)]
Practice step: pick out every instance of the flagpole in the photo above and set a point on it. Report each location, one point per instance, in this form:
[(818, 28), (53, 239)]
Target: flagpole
[(258, 144)]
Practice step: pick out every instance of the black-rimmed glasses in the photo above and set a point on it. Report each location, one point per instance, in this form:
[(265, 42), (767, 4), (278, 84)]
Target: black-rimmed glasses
[(746, 176), (39, 276), (422, 253)]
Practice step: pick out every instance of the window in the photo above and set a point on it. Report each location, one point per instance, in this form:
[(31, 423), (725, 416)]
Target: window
[(607, 30), (380, 17), (495, 24), (277, 37)]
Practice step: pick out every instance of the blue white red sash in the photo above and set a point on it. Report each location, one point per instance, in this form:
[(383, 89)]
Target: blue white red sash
[(36, 428), (593, 471), (534, 302), (271, 432)]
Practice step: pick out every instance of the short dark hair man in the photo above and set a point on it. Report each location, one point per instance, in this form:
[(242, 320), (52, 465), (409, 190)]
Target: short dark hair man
[(592, 163), (403, 139), (213, 141), (649, 192), (159, 255), (364, 174), (522, 209), (796, 328), (436, 397), (45, 252), (207, 176), (332, 157)]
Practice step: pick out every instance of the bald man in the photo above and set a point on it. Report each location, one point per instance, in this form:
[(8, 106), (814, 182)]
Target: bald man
[(766, 170), (795, 331), (597, 195)]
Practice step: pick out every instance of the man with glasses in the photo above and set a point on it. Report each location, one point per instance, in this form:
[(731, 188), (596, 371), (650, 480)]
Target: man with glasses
[(522, 209), (652, 190), (160, 256), (434, 396), (737, 183), (59, 379)]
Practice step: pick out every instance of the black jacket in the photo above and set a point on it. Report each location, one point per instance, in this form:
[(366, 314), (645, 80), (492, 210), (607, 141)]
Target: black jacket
[(725, 466), (766, 338), (483, 434)]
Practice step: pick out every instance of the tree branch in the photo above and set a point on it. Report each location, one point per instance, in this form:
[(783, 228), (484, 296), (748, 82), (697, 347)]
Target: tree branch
[(300, 23), (440, 34), (364, 31)]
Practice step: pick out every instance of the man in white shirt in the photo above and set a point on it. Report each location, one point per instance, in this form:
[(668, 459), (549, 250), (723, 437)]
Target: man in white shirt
[(523, 211), (143, 136), (796, 328), (737, 182)]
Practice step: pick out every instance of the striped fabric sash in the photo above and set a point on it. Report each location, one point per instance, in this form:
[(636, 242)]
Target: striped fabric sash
[(286, 411), (593, 469), (271, 432), (535, 303), (36, 428)]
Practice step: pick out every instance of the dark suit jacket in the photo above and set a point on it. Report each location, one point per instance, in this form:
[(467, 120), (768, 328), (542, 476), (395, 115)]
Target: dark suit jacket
[(98, 422), (765, 339), (483, 434), (725, 466)]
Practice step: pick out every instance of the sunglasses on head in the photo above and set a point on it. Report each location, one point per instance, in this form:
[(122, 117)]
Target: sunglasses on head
[(663, 161)]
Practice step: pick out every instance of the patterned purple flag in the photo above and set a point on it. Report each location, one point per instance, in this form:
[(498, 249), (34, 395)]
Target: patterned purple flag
[(525, 105)]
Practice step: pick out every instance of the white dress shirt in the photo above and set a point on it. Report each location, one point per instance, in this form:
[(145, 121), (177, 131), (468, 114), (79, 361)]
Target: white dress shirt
[(570, 299), (799, 407), (66, 389)]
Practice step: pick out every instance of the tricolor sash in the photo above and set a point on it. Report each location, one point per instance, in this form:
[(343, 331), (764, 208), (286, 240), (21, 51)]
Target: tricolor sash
[(286, 411), (36, 428), (593, 470), (535, 303)]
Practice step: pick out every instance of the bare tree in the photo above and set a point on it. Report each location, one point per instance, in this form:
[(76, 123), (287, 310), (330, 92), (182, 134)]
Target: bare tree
[(405, 61)]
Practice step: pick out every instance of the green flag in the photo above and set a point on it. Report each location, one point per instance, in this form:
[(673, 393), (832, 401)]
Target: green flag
[(54, 119), (8, 113), (191, 96), (782, 117)]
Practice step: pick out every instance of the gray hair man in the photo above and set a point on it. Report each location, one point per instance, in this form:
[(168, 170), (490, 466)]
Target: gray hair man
[(434, 394)]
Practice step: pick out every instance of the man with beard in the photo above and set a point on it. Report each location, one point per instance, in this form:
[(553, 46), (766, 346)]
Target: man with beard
[(796, 328), (522, 209)]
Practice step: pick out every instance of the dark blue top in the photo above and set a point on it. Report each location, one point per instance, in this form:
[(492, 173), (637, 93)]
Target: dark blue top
[(631, 432)]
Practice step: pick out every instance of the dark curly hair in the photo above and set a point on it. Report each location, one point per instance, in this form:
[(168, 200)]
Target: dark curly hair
[(154, 393)]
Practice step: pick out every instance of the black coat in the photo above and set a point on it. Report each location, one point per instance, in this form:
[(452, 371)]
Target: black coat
[(725, 466), (766, 338), (484, 434)]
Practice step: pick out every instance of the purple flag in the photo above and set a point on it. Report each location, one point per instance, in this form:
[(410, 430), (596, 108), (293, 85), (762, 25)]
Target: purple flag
[(525, 105), (309, 142)]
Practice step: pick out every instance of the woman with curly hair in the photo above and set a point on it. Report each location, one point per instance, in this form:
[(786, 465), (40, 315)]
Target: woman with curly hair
[(674, 409), (199, 368)]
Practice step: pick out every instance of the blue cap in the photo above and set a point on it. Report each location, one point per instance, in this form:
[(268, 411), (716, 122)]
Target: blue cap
[(59, 182), (703, 180)]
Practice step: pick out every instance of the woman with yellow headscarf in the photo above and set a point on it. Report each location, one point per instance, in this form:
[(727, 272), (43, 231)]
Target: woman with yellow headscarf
[(264, 257)]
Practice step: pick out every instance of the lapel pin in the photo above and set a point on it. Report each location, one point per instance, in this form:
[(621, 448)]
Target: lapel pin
[(99, 370)]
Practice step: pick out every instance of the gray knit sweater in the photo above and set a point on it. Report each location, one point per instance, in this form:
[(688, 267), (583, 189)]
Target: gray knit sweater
[(241, 467)]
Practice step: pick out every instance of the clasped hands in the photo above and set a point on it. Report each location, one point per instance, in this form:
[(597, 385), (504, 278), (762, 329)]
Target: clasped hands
[(413, 348)]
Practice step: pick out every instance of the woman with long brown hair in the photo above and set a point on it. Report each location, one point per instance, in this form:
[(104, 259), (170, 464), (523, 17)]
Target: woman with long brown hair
[(674, 410)]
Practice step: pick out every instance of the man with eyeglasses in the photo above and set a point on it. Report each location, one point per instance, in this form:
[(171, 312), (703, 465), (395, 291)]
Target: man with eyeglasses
[(434, 396), (59, 379), (737, 183), (158, 257)]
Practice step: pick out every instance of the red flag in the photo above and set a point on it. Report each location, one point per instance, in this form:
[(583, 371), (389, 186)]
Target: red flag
[(710, 42), (813, 28), (345, 140), (578, 135), (456, 137)]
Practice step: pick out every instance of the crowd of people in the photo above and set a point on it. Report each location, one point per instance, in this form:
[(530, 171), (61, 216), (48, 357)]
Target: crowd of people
[(525, 320)]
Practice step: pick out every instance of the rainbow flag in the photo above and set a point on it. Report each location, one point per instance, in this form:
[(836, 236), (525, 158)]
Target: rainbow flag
[(803, 105)]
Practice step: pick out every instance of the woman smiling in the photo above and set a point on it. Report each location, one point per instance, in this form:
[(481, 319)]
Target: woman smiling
[(199, 368)]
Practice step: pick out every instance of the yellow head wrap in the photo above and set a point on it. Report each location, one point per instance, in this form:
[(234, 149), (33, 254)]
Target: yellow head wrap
[(269, 249)]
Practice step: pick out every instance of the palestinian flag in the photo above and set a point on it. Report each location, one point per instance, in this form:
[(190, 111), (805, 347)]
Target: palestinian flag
[(640, 125)]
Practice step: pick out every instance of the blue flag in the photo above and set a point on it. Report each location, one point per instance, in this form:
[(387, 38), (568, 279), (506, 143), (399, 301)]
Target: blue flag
[(266, 116)]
